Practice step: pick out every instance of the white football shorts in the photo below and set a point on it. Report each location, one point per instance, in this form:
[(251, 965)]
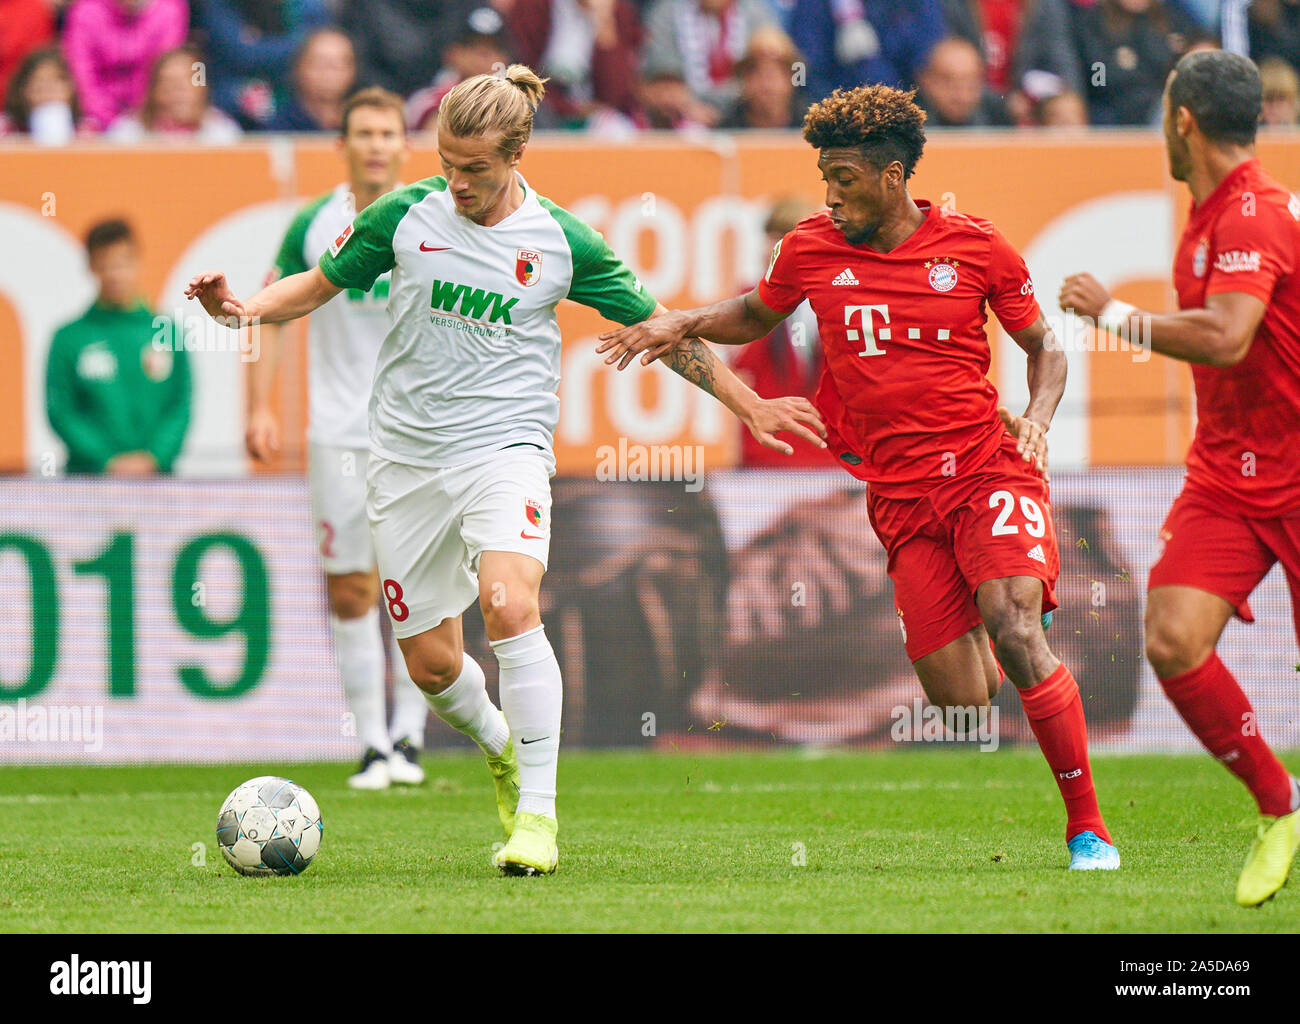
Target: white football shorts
[(337, 478), (431, 525)]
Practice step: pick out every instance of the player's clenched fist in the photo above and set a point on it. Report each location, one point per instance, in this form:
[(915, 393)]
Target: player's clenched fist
[(656, 338), (216, 297), (1083, 295), (1031, 438)]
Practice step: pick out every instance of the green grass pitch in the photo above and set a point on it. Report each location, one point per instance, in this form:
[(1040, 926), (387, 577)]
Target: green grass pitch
[(903, 841)]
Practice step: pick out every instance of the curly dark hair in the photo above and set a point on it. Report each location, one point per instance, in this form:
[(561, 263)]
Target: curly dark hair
[(883, 122)]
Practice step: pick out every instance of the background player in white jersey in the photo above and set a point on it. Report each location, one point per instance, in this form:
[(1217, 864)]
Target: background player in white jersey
[(463, 413), (343, 339)]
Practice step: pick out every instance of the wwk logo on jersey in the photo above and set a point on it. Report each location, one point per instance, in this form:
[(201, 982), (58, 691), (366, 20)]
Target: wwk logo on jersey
[(943, 273), (528, 267), (474, 303), (341, 241)]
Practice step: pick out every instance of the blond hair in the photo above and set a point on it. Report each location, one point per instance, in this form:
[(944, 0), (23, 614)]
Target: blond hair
[(485, 104)]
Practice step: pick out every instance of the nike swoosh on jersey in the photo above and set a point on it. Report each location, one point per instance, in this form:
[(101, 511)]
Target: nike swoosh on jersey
[(529, 536), (433, 248)]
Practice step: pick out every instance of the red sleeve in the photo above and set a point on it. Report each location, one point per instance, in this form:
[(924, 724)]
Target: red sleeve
[(1010, 289), (780, 288), (1251, 252)]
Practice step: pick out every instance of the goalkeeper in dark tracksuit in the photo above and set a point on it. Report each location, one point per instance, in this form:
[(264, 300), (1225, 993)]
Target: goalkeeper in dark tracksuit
[(118, 400)]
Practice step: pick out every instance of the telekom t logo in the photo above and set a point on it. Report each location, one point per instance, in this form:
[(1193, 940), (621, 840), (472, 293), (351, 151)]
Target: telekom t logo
[(871, 335), (868, 332)]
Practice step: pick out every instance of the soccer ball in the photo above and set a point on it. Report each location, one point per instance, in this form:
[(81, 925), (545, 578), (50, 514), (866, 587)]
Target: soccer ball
[(269, 826)]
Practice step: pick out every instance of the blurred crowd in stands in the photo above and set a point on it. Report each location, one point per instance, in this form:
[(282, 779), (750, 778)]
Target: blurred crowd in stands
[(211, 70)]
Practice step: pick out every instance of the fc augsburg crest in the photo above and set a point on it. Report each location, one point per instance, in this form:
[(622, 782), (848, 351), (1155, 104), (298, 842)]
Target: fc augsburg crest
[(528, 266)]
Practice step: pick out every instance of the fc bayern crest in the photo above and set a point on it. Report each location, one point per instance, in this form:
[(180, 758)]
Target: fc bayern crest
[(1201, 258), (528, 267), (943, 277)]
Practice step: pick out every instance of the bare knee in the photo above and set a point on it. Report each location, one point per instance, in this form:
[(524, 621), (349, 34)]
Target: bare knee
[(1015, 636), (432, 664), (507, 618), (352, 594), (955, 676), (1013, 620), (1173, 645), (509, 585)]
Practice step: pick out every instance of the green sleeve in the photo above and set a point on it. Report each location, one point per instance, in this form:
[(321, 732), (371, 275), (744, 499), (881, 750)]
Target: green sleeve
[(291, 259), (86, 440), (174, 420), (367, 247), (600, 279)]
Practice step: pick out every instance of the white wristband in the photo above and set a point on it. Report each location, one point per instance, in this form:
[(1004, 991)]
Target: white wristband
[(1115, 316)]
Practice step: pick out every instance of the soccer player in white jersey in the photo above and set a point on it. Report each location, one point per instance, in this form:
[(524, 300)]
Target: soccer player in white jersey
[(343, 340), (462, 415)]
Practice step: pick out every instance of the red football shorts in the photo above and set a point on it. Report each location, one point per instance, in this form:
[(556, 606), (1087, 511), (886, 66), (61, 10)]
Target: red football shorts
[(993, 523), (1210, 547)]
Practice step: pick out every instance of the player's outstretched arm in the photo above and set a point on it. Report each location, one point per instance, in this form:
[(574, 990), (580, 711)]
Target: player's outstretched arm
[(765, 417), (735, 321), (1047, 367), (1218, 335), (286, 299)]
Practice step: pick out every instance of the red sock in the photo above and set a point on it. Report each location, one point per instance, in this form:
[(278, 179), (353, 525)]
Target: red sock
[(1055, 713), (1215, 707)]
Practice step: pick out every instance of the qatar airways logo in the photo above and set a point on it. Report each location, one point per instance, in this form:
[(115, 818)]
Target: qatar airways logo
[(860, 322), (1237, 261)]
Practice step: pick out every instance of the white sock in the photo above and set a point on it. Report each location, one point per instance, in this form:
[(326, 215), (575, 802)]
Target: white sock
[(410, 710), (531, 697), (360, 652), (465, 705)]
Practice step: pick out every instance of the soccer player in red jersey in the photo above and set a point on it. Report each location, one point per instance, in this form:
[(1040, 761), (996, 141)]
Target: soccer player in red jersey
[(1239, 511), (958, 486)]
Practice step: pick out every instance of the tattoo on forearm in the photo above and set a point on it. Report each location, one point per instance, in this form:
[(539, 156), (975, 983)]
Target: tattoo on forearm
[(696, 363)]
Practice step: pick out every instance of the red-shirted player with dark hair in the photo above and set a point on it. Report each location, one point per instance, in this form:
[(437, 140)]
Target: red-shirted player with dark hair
[(1239, 510), (958, 486)]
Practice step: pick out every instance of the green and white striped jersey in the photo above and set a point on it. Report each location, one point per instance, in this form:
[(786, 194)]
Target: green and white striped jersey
[(471, 362), (344, 335)]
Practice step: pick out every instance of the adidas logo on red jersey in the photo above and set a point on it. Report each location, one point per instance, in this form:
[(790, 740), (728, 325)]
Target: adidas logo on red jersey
[(845, 277), (1036, 553)]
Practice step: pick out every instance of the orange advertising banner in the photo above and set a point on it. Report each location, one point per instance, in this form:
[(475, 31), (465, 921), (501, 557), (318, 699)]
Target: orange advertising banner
[(686, 215)]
